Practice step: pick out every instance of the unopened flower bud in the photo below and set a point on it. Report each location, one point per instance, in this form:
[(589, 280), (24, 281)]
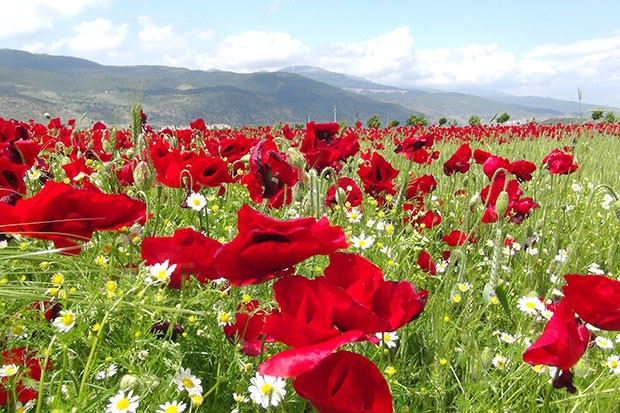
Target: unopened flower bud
[(128, 382), (501, 205), (143, 176), (295, 158)]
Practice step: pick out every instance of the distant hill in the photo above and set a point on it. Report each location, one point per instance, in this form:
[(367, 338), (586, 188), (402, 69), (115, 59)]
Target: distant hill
[(32, 84), (452, 105), (68, 87)]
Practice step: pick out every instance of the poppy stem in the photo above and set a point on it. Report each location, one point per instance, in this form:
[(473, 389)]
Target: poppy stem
[(43, 371)]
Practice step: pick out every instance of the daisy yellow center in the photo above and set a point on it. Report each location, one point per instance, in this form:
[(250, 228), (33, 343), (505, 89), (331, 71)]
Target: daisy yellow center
[(353, 215), (161, 274), (361, 242), (122, 404), (187, 382), (224, 317), (457, 298), (10, 370), (57, 279), (530, 304), (266, 388), (386, 337), (17, 330), (20, 409), (171, 409), (613, 364), (67, 319), (196, 202)]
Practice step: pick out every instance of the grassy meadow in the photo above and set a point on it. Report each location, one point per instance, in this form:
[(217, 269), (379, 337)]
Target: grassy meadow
[(119, 339)]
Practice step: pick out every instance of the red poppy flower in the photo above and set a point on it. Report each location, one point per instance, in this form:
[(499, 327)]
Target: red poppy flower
[(305, 322), (190, 250), (306, 312), (492, 164), (459, 161), (426, 263), (352, 192), (265, 247), (322, 148), (456, 237), (559, 163), (345, 382), (522, 169), (562, 343), (377, 176), (12, 185), (480, 156), (365, 301), (66, 215), (28, 366), (211, 172), (415, 148), (419, 187), (595, 298), (271, 174), (421, 218), (248, 328)]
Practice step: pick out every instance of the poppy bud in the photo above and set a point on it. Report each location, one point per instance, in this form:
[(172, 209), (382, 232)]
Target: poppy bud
[(341, 196), (143, 176), (501, 205), (128, 382), (474, 200), (295, 158)]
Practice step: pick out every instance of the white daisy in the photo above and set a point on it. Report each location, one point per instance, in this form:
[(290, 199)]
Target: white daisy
[(9, 370), (172, 407), (363, 241), (240, 398), (160, 273), (500, 362), (595, 269), (388, 339), (441, 266), (267, 390), (604, 342), (123, 403), (65, 321), (196, 201), (613, 362), (185, 380), (354, 215), (530, 305), (562, 255), (110, 371)]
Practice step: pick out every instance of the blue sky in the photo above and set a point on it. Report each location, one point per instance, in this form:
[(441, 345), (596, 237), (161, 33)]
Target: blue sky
[(543, 48)]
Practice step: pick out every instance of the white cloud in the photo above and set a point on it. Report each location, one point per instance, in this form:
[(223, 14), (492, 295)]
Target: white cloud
[(99, 34), (583, 47), (27, 17), (473, 64), (381, 56), (151, 33), (252, 51), (96, 35)]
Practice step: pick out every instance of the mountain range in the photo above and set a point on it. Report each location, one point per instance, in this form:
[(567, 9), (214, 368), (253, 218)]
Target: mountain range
[(69, 87)]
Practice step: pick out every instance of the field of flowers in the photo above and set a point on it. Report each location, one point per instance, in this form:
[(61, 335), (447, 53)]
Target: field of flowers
[(327, 268)]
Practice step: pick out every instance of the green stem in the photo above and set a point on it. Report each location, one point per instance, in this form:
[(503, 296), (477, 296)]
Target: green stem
[(43, 371), (93, 351)]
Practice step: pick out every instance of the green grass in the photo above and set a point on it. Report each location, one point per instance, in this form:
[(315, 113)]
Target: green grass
[(444, 360)]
